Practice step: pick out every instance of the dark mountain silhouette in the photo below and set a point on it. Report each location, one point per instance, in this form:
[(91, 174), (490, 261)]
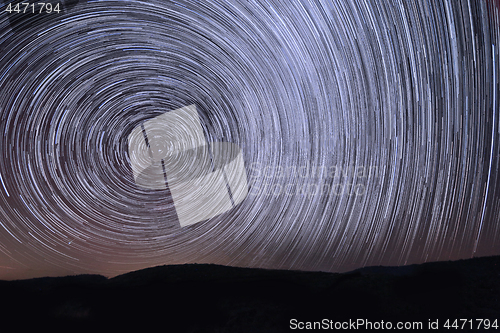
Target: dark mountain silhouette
[(212, 298)]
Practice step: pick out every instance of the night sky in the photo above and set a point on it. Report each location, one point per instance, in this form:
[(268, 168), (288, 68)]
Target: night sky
[(370, 132)]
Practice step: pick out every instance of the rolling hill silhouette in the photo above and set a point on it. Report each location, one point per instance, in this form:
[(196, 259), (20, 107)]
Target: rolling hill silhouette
[(212, 298)]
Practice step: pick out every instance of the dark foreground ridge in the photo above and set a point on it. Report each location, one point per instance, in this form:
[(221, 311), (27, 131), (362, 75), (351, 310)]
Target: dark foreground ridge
[(212, 298)]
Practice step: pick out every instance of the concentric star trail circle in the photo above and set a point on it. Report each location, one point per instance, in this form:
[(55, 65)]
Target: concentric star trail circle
[(369, 130)]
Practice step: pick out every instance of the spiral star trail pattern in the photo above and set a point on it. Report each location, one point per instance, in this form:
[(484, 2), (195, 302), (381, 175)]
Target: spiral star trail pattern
[(387, 110)]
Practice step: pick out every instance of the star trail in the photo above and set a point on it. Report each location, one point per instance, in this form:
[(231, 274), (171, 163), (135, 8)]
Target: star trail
[(369, 132)]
